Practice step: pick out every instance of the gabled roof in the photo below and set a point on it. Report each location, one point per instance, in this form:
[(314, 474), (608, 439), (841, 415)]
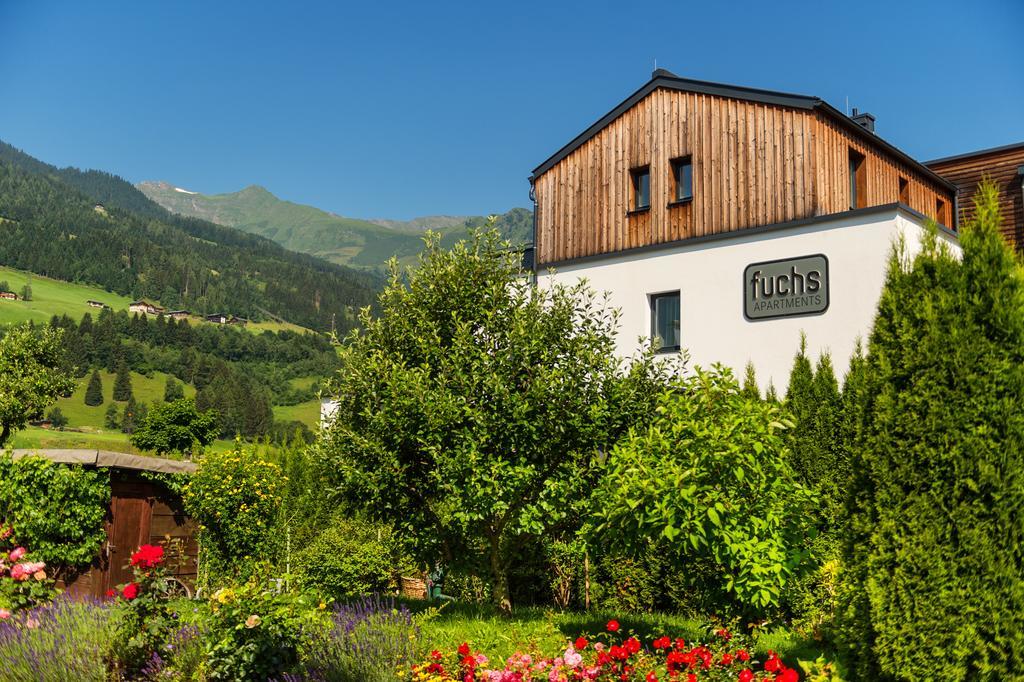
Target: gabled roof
[(668, 80), (980, 152)]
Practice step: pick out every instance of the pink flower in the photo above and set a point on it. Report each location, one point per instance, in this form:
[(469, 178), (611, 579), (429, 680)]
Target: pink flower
[(17, 553), (18, 573), (4, 614), (571, 658)]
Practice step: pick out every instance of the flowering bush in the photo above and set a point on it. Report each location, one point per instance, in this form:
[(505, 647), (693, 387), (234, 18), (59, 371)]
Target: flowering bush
[(23, 582), (234, 497), (147, 620), (612, 657), (255, 634)]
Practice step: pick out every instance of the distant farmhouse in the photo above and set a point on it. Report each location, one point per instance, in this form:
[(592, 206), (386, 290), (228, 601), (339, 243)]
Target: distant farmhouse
[(8, 295), (223, 318), (97, 304), (179, 314), (144, 307)]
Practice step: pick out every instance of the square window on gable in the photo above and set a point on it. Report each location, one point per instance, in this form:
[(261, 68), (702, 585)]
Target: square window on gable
[(641, 188), (665, 321), (682, 179)]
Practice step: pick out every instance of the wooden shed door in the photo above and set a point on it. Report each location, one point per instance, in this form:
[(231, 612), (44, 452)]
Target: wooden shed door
[(129, 528)]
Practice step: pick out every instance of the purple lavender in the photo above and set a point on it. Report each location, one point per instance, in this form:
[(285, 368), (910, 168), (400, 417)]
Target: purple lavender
[(62, 640), (368, 640)]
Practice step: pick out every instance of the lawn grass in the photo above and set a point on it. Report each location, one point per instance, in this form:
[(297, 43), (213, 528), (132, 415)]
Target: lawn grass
[(529, 628), (34, 437)]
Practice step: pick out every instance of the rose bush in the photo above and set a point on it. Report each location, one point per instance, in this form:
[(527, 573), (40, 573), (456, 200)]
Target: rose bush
[(611, 657), (24, 583)]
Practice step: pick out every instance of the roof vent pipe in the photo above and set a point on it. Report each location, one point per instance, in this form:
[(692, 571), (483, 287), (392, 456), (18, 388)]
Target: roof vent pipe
[(865, 120)]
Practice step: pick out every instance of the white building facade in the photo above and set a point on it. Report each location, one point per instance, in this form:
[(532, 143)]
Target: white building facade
[(714, 280)]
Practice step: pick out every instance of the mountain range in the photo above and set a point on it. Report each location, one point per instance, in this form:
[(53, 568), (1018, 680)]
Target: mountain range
[(365, 244), (93, 227)]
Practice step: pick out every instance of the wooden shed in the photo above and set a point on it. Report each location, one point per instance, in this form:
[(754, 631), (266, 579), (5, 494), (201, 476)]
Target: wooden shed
[(141, 511)]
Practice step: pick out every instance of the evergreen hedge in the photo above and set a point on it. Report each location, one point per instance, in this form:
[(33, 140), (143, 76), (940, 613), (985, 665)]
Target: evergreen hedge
[(935, 558)]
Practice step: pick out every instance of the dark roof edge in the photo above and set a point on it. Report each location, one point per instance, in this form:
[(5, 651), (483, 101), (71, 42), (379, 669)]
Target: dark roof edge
[(980, 152), (664, 79), (750, 231)]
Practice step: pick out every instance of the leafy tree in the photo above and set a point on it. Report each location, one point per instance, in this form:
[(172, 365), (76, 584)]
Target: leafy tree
[(55, 509), (122, 383), (5, 285), (472, 410), (175, 427), (112, 418), (173, 390), (26, 292), (94, 391), (57, 418), (31, 376), (710, 478), (936, 541)]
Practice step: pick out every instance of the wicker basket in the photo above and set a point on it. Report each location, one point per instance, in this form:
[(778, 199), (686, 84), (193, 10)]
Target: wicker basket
[(414, 588)]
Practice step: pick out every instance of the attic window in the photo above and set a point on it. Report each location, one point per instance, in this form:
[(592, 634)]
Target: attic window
[(682, 177), (904, 192), (858, 181), (941, 212), (641, 188)]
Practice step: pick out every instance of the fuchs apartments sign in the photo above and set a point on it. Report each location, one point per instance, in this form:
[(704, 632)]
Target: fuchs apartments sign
[(785, 288)]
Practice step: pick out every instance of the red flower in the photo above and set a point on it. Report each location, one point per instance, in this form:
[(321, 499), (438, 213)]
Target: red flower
[(787, 675), (130, 591), (110, 593), (618, 652), (436, 655), (680, 643), (469, 661), (651, 677), (690, 677), (148, 556), (773, 664), (724, 634), (632, 645), (746, 675), (580, 644), (613, 626), (662, 643), (464, 649), (743, 655), (726, 658)]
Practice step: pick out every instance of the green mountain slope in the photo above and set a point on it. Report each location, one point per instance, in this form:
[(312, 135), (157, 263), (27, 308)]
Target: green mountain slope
[(50, 224), (349, 241)]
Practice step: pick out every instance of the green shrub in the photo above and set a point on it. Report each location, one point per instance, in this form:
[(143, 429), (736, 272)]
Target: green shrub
[(710, 481), (934, 582), (57, 510), (350, 558)]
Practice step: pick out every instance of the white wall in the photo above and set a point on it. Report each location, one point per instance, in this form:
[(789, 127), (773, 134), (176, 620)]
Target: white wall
[(709, 277)]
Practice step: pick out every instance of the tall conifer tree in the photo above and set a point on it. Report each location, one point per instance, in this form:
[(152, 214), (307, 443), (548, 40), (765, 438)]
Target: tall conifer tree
[(122, 382), (94, 391)]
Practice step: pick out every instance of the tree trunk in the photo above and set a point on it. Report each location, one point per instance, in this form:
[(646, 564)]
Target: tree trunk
[(499, 578), (5, 433)]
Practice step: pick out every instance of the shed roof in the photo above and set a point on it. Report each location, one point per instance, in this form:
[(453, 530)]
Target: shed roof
[(107, 458), (662, 78)]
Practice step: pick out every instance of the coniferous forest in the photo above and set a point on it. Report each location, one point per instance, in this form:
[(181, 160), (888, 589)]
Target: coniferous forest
[(93, 227)]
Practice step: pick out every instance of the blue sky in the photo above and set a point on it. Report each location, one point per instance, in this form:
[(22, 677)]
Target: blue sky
[(378, 109)]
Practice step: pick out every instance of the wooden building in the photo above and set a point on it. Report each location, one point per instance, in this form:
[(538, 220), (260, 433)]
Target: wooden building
[(1005, 167), (144, 307), (751, 157), (141, 511), (727, 222), (8, 296)]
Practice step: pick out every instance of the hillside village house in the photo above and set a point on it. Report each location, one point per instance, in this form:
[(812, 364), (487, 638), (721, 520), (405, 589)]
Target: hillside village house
[(144, 307), (8, 295), (728, 220)]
